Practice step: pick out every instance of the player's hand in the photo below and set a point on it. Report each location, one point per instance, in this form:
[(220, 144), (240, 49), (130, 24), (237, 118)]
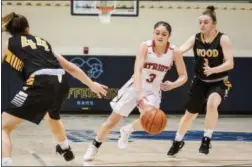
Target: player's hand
[(167, 85), (99, 89), (140, 102), (208, 70)]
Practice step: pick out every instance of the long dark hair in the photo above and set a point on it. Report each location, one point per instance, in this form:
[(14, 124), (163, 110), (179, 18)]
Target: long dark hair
[(15, 24)]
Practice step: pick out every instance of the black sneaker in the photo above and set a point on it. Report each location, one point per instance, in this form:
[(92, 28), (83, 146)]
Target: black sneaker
[(66, 153), (176, 147), (205, 145)]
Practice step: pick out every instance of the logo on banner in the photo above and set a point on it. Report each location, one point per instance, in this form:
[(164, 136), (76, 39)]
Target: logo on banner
[(93, 65)]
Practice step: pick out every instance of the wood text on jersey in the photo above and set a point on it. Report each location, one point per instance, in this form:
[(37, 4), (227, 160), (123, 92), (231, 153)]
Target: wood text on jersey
[(207, 52)]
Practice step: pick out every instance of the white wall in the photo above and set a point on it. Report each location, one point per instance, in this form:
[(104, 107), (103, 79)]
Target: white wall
[(70, 33)]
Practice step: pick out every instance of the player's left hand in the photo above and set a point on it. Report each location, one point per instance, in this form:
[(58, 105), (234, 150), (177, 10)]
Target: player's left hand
[(208, 70), (167, 85)]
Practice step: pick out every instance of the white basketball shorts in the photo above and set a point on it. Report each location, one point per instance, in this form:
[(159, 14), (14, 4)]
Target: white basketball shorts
[(125, 101)]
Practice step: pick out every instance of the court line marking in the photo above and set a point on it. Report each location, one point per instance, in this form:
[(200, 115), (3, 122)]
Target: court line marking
[(244, 164), (99, 163), (38, 158)]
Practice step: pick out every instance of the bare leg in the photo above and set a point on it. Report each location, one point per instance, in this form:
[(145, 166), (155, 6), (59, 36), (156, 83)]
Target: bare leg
[(9, 123), (57, 128), (107, 126), (102, 134), (211, 118), (184, 124)]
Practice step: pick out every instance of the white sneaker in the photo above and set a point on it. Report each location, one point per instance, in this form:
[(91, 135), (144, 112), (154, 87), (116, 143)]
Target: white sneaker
[(123, 141), (6, 162), (90, 153)]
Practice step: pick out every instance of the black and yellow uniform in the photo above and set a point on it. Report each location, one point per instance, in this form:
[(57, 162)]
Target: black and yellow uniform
[(46, 85), (210, 53)]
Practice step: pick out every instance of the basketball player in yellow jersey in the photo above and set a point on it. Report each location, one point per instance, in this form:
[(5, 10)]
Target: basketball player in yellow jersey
[(153, 60), (213, 59)]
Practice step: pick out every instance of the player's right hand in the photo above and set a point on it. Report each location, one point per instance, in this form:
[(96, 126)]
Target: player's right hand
[(167, 85), (99, 89)]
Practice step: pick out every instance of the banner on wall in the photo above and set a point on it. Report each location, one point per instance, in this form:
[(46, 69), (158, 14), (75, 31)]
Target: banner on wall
[(106, 70), (114, 71)]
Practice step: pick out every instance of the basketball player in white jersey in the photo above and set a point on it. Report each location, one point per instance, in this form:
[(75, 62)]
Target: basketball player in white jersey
[(154, 58)]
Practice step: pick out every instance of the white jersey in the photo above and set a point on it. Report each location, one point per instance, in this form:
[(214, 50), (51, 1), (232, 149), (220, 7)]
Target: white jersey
[(156, 67), (153, 74)]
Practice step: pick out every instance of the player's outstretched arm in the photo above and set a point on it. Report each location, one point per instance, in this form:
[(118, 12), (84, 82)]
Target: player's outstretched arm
[(181, 70), (76, 72), (188, 45)]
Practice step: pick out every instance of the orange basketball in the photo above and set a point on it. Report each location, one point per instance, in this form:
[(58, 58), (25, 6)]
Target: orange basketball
[(153, 121)]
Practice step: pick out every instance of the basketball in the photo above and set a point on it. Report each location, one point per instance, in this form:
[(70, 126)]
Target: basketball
[(153, 121)]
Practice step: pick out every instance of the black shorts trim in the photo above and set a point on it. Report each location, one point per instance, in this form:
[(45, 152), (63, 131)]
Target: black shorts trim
[(43, 94)]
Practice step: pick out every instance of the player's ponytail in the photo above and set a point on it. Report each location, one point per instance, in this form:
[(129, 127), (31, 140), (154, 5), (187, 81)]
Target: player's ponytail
[(210, 11), (14, 23), (6, 20)]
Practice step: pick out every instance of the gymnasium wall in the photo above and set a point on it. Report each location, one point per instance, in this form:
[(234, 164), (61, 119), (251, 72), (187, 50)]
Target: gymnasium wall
[(70, 33), (113, 47)]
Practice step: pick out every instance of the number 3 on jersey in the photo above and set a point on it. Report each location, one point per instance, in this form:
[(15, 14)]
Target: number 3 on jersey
[(151, 78), (39, 42)]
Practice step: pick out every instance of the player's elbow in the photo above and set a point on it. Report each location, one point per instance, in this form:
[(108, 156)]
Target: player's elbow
[(231, 65), (71, 68), (68, 67), (185, 78)]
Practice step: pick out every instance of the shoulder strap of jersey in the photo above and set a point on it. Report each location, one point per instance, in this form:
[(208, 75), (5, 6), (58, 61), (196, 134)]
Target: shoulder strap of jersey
[(197, 39), (149, 44), (219, 36), (198, 35)]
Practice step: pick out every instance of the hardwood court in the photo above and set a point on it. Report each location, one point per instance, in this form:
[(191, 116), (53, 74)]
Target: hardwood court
[(232, 144)]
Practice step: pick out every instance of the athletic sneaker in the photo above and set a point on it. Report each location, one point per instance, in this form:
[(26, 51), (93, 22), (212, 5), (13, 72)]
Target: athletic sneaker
[(123, 141), (205, 145), (90, 153), (66, 153), (175, 148)]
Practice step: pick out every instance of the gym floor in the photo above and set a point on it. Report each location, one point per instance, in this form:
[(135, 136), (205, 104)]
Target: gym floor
[(232, 144)]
